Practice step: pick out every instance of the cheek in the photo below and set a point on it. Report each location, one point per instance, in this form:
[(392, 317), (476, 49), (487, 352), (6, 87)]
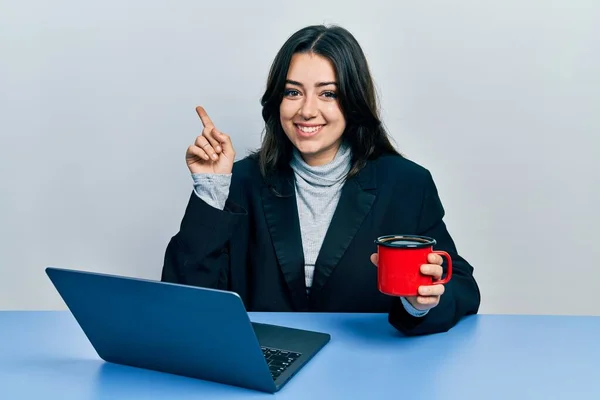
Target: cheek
[(286, 110), (333, 114)]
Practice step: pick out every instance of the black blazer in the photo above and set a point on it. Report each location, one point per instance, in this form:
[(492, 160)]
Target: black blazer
[(253, 246)]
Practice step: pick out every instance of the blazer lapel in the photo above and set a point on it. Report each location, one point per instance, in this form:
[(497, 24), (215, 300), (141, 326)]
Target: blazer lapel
[(357, 197), (281, 213)]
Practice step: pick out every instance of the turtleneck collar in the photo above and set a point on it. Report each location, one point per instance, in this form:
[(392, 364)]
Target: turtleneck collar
[(324, 175)]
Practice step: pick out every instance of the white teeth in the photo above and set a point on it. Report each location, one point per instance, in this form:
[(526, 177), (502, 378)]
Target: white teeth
[(309, 129)]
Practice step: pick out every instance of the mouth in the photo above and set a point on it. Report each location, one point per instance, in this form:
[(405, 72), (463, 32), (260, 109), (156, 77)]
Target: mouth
[(308, 131)]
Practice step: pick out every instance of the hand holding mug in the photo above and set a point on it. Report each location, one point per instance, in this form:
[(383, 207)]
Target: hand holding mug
[(428, 295), (212, 151), (409, 267)]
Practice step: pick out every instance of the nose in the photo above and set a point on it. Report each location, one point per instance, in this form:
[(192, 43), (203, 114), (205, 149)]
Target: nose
[(308, 109)]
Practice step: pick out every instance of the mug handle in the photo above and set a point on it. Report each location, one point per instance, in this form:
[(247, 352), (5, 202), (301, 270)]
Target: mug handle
[(449, 269)]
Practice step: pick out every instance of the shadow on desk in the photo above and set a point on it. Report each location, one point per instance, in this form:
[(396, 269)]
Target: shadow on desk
[(57, 367), (99, 380), (120, 381), (375, 328), (41, 377)]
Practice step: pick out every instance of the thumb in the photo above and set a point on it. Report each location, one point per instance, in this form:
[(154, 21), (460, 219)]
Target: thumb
[(375, 258)]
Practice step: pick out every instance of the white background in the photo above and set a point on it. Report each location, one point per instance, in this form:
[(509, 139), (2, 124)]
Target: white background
[(499, 99)]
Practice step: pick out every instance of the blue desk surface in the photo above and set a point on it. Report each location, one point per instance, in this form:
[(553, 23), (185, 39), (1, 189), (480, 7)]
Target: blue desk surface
[(45, 355)]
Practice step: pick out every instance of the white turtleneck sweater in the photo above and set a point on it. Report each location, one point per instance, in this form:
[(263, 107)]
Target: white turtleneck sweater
[(318, 190)]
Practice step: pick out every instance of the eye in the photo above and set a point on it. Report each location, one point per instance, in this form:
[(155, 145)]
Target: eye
[(330, 94), (291, 92)]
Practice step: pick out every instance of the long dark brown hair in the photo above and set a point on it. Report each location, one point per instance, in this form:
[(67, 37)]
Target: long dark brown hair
[(364, 131)]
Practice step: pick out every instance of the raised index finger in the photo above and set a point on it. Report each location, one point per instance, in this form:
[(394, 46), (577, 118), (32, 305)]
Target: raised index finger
[(206, 121)]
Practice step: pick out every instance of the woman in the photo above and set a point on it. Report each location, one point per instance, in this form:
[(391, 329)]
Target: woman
[(292, 226)]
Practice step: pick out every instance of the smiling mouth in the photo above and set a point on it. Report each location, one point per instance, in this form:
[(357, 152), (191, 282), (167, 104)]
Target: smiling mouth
[(308, 130)]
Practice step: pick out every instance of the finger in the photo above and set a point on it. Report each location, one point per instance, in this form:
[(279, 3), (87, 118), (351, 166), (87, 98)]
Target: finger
[(375, 258), (203, 143), (214, 138), (434, 258), (432, 290), (206, 121), (198, 152), (432, 270), (225, 141), (209, 134), (428, 301)]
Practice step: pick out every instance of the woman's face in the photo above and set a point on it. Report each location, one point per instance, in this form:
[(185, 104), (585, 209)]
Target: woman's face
[(310, 113)]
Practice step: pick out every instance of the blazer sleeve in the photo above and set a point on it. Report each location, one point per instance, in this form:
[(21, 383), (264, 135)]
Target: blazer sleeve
[(200, 254), (461, 296)]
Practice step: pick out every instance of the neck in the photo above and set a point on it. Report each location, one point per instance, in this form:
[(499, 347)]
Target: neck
[(325, 174), (323, 157)]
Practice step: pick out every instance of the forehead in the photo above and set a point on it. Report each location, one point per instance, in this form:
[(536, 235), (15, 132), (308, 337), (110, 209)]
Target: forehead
[(311, 68)]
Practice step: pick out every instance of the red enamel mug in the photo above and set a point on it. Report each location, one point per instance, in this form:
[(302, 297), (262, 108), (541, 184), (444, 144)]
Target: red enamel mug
[(400, 260)]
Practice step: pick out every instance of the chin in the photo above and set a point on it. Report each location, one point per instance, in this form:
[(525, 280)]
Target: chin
[(308, 148)]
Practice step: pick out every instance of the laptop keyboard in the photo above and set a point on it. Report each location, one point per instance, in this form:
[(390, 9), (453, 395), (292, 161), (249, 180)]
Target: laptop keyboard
[(279, 360)]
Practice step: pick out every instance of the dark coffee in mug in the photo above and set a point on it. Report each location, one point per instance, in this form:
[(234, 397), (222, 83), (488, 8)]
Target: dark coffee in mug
[(400, 260)]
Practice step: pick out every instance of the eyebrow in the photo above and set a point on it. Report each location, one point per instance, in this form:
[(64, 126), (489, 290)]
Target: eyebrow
[(319, 84)]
